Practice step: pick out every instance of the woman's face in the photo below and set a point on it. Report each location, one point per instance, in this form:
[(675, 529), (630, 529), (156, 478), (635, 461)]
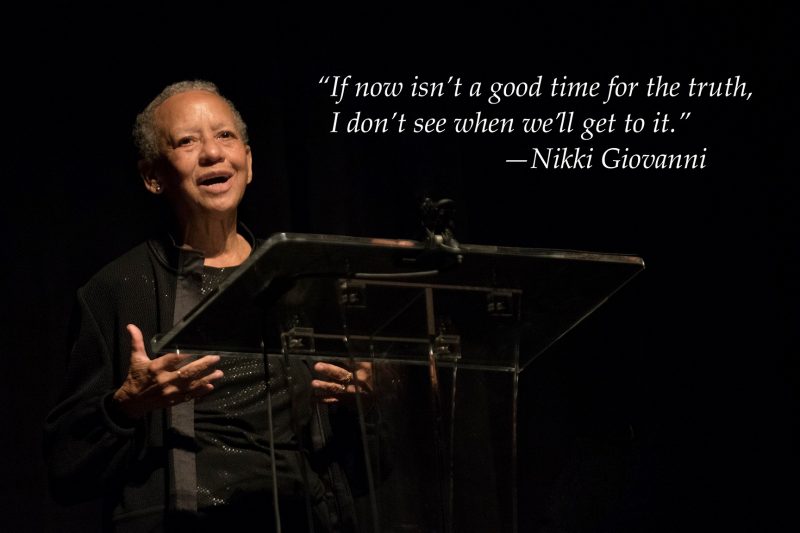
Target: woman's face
[(206, 165)]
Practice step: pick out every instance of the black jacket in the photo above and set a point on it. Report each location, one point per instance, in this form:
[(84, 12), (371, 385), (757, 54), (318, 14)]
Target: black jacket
[(89, 453)]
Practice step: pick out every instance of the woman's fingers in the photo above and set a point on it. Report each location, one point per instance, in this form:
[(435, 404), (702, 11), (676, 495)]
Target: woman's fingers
[(336, 382), (331, 387), (193, 380), (202, 368), (333, 372), (137, 343)]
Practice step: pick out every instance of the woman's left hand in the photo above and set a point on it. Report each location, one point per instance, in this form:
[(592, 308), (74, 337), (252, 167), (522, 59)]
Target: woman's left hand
[(337, 383)]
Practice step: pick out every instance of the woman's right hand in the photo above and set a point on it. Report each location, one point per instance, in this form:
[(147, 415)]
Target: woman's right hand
[(158, 383)]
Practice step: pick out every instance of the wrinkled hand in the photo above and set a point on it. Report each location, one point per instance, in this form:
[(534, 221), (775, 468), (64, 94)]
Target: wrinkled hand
[(338, 383), (158, 383)]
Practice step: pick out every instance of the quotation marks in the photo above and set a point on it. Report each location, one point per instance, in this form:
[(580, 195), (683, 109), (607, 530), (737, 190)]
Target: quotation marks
[(684, 115)]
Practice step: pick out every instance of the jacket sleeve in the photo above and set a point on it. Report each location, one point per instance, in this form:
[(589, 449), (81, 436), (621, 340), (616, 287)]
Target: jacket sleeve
[(89, 447)]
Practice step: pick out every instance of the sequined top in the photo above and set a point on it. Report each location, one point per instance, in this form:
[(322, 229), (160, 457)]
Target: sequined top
[(231, 430)]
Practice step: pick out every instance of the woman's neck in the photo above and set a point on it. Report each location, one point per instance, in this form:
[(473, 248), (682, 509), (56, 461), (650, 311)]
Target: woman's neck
[(217, 239)]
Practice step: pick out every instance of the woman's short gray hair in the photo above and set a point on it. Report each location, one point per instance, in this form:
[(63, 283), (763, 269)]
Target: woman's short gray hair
[(145, 133)]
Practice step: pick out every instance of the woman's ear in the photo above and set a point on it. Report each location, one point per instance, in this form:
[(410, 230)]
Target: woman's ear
[(148, 173), (249, 164)]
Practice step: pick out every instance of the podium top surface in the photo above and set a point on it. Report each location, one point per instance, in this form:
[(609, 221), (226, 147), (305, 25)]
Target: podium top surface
[(398, 295)]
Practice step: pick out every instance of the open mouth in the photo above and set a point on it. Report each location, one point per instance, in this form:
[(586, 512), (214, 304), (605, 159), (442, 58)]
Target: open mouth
[(214, 181)]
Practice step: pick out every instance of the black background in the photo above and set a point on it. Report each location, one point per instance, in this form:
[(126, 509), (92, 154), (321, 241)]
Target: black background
[(673, 408)]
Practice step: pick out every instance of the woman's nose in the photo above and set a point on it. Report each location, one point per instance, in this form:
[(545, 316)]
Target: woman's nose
[(210, 151)]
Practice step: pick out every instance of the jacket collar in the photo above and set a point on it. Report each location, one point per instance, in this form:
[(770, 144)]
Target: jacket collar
[(180, 260)]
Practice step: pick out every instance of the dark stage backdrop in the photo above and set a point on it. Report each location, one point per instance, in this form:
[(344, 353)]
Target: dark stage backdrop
[(672, 408)]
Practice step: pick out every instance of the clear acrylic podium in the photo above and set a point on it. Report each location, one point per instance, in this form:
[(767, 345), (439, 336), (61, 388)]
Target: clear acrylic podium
[(446, 332)]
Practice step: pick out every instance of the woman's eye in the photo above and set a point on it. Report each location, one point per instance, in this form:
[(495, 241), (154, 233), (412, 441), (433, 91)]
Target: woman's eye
[(226, 134), (184, 141)]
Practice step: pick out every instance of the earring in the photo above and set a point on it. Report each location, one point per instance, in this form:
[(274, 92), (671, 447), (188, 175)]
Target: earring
[(158, 187)]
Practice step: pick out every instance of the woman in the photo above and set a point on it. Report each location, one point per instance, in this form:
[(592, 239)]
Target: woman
[(129, 428)]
